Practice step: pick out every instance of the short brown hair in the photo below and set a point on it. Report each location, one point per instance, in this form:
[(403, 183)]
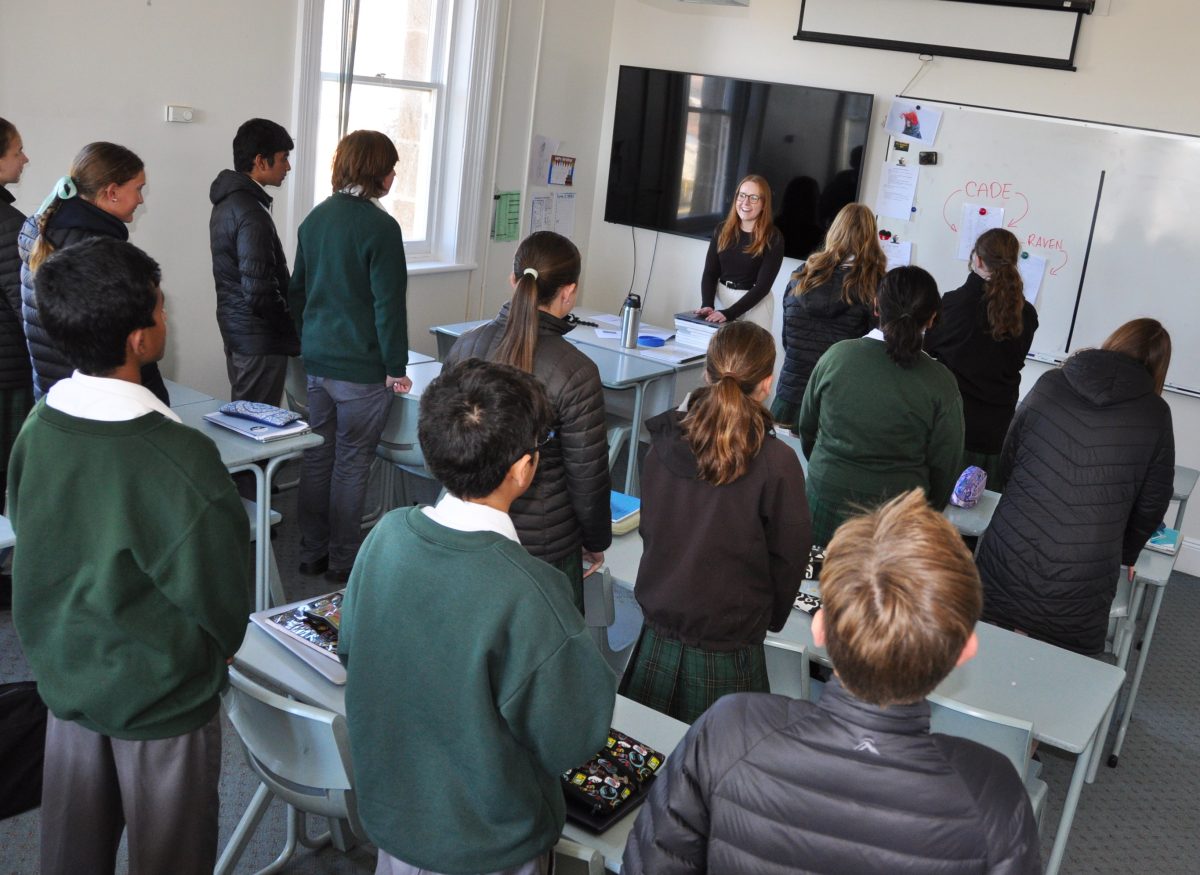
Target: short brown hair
[(1146, 341), (364, 158), (900, 597)]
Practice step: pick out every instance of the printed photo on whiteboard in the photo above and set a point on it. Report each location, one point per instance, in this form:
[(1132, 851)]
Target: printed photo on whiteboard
[(912, 121), (976, 218), (562, 169)]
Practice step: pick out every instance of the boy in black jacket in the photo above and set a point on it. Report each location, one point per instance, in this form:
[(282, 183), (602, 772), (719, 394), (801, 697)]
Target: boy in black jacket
[(855, 782)]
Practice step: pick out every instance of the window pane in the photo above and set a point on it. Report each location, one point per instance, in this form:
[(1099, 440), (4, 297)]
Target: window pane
[(395, 39), (407, 116)]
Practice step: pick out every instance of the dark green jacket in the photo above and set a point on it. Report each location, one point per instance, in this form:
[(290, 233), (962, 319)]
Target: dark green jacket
[(131, 575), (472, 684), (348, 292)]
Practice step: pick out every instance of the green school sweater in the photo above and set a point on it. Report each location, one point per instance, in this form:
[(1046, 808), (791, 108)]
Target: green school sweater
[(131, 574), (873, 429), (348, 292), (472, 683)]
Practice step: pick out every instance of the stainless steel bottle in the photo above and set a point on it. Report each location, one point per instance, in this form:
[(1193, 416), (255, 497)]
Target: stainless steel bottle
[(631, 320)]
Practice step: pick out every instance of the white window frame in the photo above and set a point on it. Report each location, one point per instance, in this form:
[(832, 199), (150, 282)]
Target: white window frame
[(460, 130)]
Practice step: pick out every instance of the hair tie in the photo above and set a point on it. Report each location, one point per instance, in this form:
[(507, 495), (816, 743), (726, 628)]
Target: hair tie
[(529, 271), (64, 190)]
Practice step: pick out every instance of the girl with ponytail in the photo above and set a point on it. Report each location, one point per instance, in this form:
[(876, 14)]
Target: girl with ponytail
[(725, 530), (97, 198), (983, 337), (564, 517), (879, 416)]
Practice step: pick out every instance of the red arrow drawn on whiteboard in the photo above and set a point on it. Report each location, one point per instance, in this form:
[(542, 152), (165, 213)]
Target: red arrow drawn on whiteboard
[(946, 204), (1013, 222), (1054, 270)]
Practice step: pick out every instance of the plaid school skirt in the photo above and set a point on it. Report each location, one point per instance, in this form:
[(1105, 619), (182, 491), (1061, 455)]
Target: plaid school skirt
[(682, 682)]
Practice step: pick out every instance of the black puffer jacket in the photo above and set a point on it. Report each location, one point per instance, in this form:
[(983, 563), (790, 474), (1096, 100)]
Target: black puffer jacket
[(812, 323), (74, 221), (568, 503), (15, 372), (250, 269), (1088, 463), (764, 784)]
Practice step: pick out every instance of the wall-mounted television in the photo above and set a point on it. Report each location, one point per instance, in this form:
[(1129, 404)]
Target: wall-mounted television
[(681, 142)]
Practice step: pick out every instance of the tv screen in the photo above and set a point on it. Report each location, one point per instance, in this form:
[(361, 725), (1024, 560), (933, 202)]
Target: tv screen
[(682, 141)]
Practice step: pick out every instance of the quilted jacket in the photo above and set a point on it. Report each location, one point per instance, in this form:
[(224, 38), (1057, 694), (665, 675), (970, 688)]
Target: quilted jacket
[(250, 269), (74, 221), (812, 323), (1089, 464), (568, 503), (763, 785), (15, 372)]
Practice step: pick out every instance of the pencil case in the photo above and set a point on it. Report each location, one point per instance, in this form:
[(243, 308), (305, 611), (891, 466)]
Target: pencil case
[(256, 411)]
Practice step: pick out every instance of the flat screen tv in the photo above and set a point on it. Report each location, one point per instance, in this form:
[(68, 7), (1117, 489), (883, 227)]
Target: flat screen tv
[(681, 142)]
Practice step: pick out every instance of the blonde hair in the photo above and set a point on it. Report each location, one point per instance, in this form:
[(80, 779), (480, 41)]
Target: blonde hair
[(97, 166), (724, 425), (764, 226), (1004, 294), (900, 596), (853, 237), (1146, 341)]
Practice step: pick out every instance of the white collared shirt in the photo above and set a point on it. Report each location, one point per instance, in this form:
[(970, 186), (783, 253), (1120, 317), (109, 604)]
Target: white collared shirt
[(105, 399), (875, 334), (469, 516)]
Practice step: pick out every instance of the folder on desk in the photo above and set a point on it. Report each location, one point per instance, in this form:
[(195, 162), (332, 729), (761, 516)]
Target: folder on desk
[(258, 431), (1165, 540), (308, 629)]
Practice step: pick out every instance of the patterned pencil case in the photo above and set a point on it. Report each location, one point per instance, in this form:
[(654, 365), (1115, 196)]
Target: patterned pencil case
[(255, 411), (969, 488), (611, 783)]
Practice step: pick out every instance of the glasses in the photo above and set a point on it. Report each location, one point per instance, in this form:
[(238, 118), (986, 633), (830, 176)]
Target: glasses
[(537, 448), (753, 198)]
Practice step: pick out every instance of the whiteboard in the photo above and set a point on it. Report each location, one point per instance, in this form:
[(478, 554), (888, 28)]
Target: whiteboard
[(1111, 209)]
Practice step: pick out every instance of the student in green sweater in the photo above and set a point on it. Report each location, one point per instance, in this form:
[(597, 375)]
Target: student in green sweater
[(347, 295), (131, 580), (879, 416), (472, 683)]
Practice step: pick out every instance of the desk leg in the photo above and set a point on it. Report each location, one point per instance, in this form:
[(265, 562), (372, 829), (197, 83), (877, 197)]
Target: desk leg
[(262, 593), (635, 438), (1127, 712), (1071, 803)]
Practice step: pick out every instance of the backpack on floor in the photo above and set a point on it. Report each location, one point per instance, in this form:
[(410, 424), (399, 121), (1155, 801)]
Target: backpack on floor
[(22, 747)]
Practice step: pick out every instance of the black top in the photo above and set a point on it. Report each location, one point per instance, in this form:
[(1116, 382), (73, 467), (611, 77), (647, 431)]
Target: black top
[(721, 564), (988, 371), (14, 356), (753, 272)]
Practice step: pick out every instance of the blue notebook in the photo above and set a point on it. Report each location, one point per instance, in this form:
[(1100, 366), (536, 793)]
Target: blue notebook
[(1165, 540)]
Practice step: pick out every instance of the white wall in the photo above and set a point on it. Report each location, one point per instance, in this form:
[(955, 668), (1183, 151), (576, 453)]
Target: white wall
[(74, 71)]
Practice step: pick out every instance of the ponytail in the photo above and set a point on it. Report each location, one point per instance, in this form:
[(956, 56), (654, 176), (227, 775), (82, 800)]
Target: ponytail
[(724, 426), (908, 301), (543, 264), (97, 166), (1004, 292)]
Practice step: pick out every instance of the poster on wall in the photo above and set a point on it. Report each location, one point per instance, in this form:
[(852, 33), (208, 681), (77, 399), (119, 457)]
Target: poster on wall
[(912, 121)]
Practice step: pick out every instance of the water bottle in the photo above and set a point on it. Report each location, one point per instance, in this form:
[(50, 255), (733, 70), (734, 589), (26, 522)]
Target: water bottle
[(631, 320)]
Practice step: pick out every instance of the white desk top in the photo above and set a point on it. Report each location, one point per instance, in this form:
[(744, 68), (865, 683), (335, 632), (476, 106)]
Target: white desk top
[(1065, 695), (237, 451)]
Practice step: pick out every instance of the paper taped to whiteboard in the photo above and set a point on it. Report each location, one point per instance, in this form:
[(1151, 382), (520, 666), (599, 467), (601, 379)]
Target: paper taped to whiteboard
[(975, 219)]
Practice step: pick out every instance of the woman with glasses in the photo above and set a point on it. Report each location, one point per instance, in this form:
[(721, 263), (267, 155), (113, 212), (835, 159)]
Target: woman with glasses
[(564, 517), (743, 259), (726, 533)]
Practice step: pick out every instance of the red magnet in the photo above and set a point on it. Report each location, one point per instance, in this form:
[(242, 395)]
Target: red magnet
[(983, 211)]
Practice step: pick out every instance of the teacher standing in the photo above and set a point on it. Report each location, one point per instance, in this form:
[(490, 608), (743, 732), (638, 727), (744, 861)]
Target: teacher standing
[(743, 260)]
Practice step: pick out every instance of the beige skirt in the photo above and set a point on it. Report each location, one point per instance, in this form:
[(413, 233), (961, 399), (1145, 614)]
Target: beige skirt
[(762, 313)]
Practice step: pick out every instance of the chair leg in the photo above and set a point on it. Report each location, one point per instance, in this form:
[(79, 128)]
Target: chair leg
[(294, 829), (244, 831)]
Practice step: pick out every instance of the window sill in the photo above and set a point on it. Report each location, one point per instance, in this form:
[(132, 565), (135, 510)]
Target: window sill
[(423, 266)]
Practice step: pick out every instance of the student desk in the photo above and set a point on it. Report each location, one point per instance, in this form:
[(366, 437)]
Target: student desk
[(266, 659), (243, 454), (1067, 696), (181, 395), (651, 382)]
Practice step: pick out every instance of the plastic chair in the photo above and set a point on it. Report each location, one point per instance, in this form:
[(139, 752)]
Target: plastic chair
[(301, 754), (572, 858), (399, 448), (295, 386), (787, 668), (1010, 736)]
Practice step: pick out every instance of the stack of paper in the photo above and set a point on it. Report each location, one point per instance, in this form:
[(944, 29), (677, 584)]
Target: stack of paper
[(694, 331)]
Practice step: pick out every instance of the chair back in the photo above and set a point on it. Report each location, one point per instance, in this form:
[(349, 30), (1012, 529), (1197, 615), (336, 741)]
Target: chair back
[(398, 444), (787, 668), (1010, 736), (300, 752), (295, 386)]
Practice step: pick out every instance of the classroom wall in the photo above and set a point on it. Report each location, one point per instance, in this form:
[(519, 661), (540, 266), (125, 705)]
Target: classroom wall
[(74, 71), (1130, 62)]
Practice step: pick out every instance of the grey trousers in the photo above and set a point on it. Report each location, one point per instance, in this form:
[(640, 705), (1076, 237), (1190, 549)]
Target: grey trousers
[(256, 377), (389, 865), (163, 791), (333, 477)]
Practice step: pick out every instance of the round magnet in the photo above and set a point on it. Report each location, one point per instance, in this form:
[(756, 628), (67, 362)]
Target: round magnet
[(983, 211)]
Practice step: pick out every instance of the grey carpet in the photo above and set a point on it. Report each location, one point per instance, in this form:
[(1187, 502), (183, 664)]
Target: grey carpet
[(1140, 817)]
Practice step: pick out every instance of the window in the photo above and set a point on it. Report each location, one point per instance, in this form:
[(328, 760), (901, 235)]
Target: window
[(419, 71)]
